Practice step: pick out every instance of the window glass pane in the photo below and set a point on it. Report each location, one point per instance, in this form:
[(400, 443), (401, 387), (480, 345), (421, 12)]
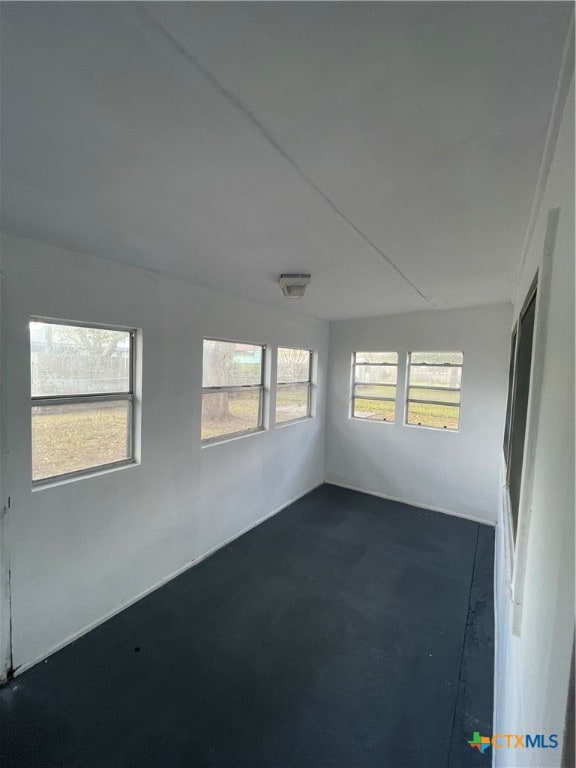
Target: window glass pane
[(509, 398), (367, 374), (435, 377), (373, 390), (429, 380), (520, 407), (292, 402), (436, 358), (228, 364), (69, 438), (293, 365), (375, 376), (73, 360), (376, 410), (426, 415), (227, 413), (419, 393), (377, 357)]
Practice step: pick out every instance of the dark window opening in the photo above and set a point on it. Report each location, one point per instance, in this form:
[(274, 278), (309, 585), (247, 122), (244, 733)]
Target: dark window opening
[(519, 407), (510, 396)]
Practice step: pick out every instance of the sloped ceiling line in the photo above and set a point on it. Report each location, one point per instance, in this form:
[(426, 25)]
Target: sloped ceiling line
[(268, 136), (560, 96)]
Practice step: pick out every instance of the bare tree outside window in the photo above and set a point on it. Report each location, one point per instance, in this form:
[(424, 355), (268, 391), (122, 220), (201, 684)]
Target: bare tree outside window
[(82, 398), (374, 386), (217, 363), (232, 388), (293, 384)]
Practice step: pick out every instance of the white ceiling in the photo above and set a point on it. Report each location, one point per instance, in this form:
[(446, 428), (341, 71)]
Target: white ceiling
[(390, 149)]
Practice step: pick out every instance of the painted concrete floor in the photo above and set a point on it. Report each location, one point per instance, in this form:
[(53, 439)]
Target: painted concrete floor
[(345, 631)]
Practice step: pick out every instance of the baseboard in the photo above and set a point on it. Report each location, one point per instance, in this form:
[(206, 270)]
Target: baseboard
[(412, 503), (84, 631)]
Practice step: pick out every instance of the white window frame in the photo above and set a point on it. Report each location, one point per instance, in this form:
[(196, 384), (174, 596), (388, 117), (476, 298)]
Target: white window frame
[(510, 398), (355, 397), (261, 387), (532, 296), (97, 397), (409, 400), (516, 535), (308, 382)]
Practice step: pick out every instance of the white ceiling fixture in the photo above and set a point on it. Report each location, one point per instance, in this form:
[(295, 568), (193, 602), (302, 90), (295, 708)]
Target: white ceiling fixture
[(294, 286)]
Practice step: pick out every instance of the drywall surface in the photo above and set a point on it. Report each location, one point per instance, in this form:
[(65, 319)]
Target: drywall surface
[(82, 549), (452, 471), (420, 125), (533, 669)]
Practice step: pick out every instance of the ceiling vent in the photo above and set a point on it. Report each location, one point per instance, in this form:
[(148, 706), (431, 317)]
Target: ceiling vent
[(294, 286)]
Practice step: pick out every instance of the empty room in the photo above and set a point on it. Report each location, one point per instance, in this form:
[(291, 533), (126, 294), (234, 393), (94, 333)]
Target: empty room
[(287, 392)]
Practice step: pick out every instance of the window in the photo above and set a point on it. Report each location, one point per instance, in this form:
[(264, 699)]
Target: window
[(232, 389), (519, 402), (434, 383), (374, 386), (82, 398), (510, 393), (294, 384)]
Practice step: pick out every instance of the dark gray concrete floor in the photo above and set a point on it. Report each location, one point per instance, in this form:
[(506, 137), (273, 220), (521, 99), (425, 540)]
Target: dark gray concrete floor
[(345, 631)]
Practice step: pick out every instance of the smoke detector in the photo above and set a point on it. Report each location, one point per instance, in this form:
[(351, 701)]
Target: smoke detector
[(293, 286)]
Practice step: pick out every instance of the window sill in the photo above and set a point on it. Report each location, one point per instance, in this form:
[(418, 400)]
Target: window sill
[(435, 429), (208, 443), (371, 421), (281, 424), (72, 477)]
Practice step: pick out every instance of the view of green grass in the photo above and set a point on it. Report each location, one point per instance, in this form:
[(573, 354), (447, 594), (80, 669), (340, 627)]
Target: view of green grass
[(241, 416), (74, 437), (420, 393), (424, 414), (71, 438), (369, 390), (442, 416), (378, 410), (291, 403)]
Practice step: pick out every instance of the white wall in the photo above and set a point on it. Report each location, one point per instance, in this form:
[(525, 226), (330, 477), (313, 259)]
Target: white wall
[(533, 668), (451, 471), (82, 549)]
